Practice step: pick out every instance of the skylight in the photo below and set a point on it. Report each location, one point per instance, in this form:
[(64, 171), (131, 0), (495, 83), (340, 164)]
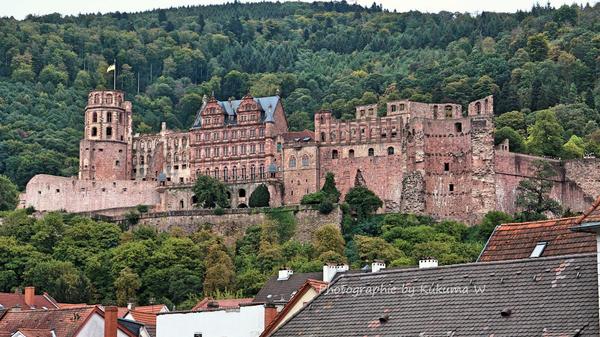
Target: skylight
[(539, 249)]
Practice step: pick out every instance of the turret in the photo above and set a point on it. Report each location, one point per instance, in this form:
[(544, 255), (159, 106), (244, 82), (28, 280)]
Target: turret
[(105, 150)]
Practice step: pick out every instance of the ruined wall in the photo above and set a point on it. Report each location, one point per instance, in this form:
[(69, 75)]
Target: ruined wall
[(181, 197), (233, 224), (301, 162), (382, 172), (576, 185), (585, 174), (52, 193)]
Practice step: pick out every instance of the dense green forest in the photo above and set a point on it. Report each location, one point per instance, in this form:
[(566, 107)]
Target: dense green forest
[(542, 66), (99, 262)]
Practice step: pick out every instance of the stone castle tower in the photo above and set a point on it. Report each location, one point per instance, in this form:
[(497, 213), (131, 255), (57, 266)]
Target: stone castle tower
[(105, 150)]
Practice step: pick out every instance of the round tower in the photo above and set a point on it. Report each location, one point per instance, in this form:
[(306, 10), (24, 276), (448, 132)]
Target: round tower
[(105, 150)]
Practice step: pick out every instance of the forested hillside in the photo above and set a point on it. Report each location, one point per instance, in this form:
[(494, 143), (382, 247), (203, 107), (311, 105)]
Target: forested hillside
[(320, 55)]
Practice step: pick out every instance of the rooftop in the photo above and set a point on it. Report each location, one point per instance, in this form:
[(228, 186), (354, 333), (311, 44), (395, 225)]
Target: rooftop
[(282, 290), (208, 303), (504, 298), (517, 240)]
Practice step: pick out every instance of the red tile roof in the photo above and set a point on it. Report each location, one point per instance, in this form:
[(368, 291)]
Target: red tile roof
[(300, 135), (36, 332), (11, 300), (155, 308), (517, 240), (65, 322), (223, 304)]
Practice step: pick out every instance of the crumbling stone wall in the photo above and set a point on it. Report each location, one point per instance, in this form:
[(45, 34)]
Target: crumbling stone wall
[(233, 224), (52, 193)]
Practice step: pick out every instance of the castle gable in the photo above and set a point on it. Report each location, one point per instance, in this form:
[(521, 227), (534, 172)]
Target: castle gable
[(266, 105)]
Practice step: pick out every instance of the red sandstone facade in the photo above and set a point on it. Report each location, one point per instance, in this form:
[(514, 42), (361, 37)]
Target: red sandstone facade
[(434, 159)]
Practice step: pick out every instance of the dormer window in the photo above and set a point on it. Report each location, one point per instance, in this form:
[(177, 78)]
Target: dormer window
[(539, 249)]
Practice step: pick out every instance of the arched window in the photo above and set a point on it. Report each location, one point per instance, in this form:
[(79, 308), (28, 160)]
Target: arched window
[(323, 137), (109, 99), (244, 173), (252, 172), (305, 161), (109, 117), (448, 110), (334, 154), (95, 117), (96, 99), (351, 153), (225, 172), (435, 112), (458, 127), (293, 162), (390, 150), (216, 172), (478, 108), (371, 152), (207, 172), (261, 171), (242, 193), (109, 132), (332, 137), (234, 173), (94, 132)]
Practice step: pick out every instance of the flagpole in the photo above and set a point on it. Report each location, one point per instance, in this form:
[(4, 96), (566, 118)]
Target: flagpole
[(115, 75)]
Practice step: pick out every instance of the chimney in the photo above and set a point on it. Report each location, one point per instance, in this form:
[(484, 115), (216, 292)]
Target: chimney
[(130, 306), (330, 270), (110, 321), (30, 296), (377, 265), (284, 274), (270, 313), (428, 262)]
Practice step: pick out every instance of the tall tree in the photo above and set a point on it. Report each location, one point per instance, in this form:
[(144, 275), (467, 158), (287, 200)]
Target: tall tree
[(210, 193), (533, 194)]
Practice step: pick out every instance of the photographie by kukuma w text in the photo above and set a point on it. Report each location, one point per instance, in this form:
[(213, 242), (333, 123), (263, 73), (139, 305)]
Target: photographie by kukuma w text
[(357, 168)]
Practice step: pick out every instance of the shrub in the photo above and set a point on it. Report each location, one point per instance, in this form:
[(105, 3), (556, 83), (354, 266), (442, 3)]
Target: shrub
[(313, 198), (325, 207), (260, 197), (219, 211), (142, 208)]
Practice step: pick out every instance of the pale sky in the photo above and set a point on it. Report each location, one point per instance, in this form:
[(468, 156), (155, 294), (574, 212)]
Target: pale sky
[(21, 8)]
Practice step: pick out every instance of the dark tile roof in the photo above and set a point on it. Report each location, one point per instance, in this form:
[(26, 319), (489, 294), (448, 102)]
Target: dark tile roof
[(283, 290), (553, 296), (517, 240), (267, 105)]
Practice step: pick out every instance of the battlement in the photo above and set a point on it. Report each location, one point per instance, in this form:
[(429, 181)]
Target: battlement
[(108, 98)]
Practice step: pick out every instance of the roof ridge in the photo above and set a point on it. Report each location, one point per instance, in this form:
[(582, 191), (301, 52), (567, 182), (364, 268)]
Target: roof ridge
[(539, 221), (469, 264)]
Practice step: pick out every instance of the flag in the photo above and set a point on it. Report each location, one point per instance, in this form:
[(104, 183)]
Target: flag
[(111, 68)]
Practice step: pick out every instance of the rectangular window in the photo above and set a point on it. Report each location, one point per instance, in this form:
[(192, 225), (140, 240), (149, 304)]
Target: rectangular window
[(252, 148), (539, 249), (451, 187), (446, 167), (261, 148)]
